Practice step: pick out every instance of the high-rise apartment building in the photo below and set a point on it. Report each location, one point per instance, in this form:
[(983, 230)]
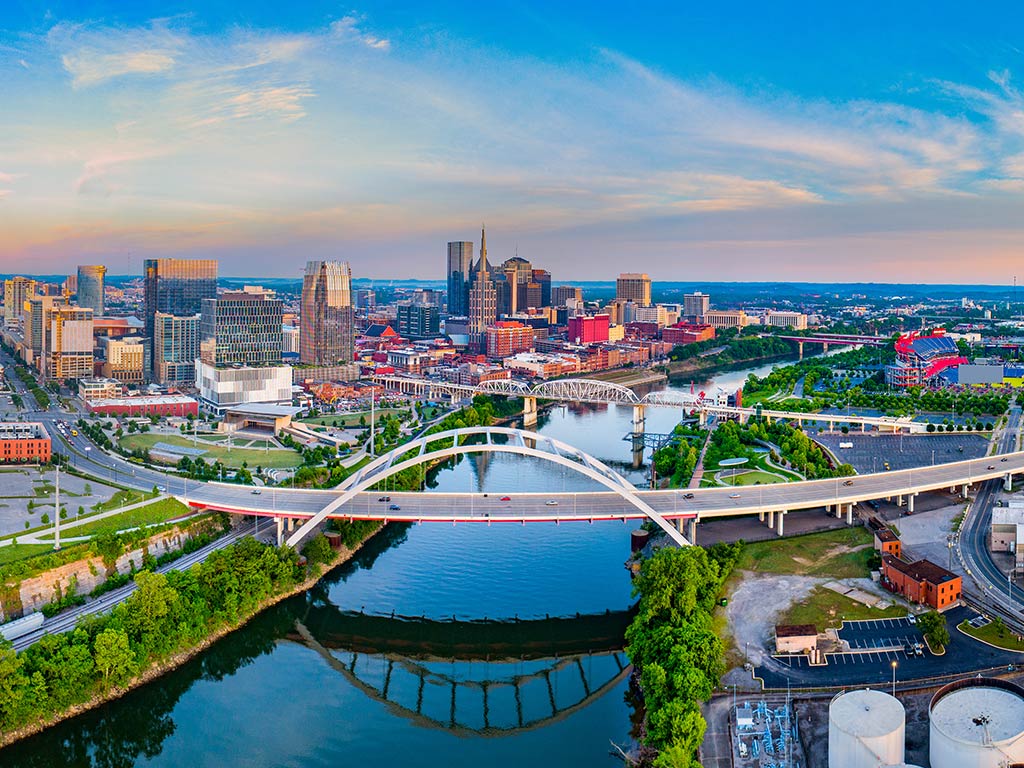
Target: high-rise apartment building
[(326, 332), (460, 265), (91, 286), (17, 291), (124, 359), (635, 287), (508, 338), (37, 327), (70, 344), (177, 287), (418, 321), (175, 349), (562, 293), (696, 305), (366, 298), (241, 328), (483, 300)]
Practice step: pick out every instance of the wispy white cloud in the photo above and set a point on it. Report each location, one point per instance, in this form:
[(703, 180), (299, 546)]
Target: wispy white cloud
[(93, 55), (348, 28)]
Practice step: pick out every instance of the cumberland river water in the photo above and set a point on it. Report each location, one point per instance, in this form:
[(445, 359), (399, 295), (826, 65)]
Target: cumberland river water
[(437, 645)]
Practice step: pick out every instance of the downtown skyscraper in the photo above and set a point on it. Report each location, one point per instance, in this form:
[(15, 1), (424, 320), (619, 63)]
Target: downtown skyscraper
[(91, 287), (176, 287), (460, 267), (326, 333), (483, 300)]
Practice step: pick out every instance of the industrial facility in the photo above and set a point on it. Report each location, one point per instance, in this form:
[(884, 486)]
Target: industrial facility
[(866, 729), (765, 735), (977, 723)]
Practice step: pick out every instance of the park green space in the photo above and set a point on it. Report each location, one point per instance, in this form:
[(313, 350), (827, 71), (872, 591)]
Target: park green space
[(841, 553), (754, 477), (995, 635), (277, 458), (122, 498), (159, 511), (825, 608), (13, 552), (351, 419)]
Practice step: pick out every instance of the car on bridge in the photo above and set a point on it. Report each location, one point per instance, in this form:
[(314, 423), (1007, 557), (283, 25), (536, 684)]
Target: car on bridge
[(550, 503), (848, 482), (394, 508), (687, 495), (384, 498), (506, 498)]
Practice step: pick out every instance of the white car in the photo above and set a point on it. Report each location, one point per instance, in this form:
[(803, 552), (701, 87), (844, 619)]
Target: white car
[(550, 503)]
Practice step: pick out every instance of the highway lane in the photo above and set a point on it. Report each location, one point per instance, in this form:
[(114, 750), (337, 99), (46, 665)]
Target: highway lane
[(974, 536), (67, 620)]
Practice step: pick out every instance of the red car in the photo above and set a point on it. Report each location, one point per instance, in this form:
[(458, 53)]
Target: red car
[(506, 498)]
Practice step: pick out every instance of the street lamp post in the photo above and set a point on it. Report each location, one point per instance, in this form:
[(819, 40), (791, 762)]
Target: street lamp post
[(894, 679)]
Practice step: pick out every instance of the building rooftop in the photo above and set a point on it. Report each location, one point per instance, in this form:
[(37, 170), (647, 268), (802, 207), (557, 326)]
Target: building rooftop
[(921, 570), (795, 630), (141, 400), (979, 714), (262, 409)]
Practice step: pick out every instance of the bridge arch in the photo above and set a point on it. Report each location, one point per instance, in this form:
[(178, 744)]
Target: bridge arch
[(561, 453), (585, 391)]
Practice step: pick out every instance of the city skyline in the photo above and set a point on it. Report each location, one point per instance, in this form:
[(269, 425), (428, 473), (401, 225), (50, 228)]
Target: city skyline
[(379, 134)]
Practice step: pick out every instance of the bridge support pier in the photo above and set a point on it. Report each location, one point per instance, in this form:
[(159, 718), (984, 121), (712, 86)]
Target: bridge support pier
[(899, 500), (800, 350), (529, 411), (280, 531), (702, 418), (1008, 482), (828, 507), (910, 502), (782, 518), (849, 514), (771, 518), (824, 348), (639, 419), (966, 488), (760, 516), (693, 531), (839, 511)]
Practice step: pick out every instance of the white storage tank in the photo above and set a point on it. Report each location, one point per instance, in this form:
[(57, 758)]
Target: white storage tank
[(977, 723), (865, 730)]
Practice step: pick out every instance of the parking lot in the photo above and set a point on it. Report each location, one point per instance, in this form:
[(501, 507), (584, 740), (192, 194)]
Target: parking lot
[(881, 642), (870, 452)]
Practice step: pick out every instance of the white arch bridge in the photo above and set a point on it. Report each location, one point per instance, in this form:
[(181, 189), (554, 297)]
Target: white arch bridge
[(617, 500), (594, 391)]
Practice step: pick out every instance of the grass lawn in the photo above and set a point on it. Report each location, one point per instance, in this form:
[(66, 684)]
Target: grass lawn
[(14, 552), (122, 499), (756, 477), (350, 419), (280, 458), (815, 554), (990, 634), (824, 608), (157, 512)]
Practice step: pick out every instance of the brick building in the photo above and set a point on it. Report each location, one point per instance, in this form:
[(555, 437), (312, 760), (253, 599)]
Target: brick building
[(145, 405), (588, 330), (24, 442), (506, 338), (921, 582), (687, 333)]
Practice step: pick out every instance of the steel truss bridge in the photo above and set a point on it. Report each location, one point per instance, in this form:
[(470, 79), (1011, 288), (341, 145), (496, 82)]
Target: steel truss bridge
[(593, 391)]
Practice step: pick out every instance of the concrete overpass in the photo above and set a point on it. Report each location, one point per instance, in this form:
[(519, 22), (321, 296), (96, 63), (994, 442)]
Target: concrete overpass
[(606, 392), (836, 340), (618, 500)]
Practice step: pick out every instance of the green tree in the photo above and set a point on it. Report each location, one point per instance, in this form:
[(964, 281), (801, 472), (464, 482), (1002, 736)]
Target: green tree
[(318, 550), (113, 656)]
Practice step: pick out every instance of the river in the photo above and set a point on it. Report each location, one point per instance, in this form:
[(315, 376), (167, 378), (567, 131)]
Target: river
[(436, 645)]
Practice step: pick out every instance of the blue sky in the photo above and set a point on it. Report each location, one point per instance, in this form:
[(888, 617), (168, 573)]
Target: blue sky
[(695, 141)]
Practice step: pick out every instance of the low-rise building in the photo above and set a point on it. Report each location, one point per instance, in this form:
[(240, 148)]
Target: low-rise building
[(785, 319), (221, 388), (145, 405), (124, 359), (886, 540), (687, 333), (921, 582), (795, 638), (506, 338), (23, 442), (97, 388), (1007, 534), (726, 318)]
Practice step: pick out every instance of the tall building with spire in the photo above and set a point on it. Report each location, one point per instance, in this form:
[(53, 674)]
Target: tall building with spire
[(483, 300)]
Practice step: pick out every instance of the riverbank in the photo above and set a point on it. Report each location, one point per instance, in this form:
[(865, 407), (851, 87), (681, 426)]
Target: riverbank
[(175, 660), (629, 377), (683, 369)]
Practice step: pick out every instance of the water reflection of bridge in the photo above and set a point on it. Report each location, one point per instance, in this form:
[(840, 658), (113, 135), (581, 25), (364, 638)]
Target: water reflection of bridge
[(516, 696), (534, 672)]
